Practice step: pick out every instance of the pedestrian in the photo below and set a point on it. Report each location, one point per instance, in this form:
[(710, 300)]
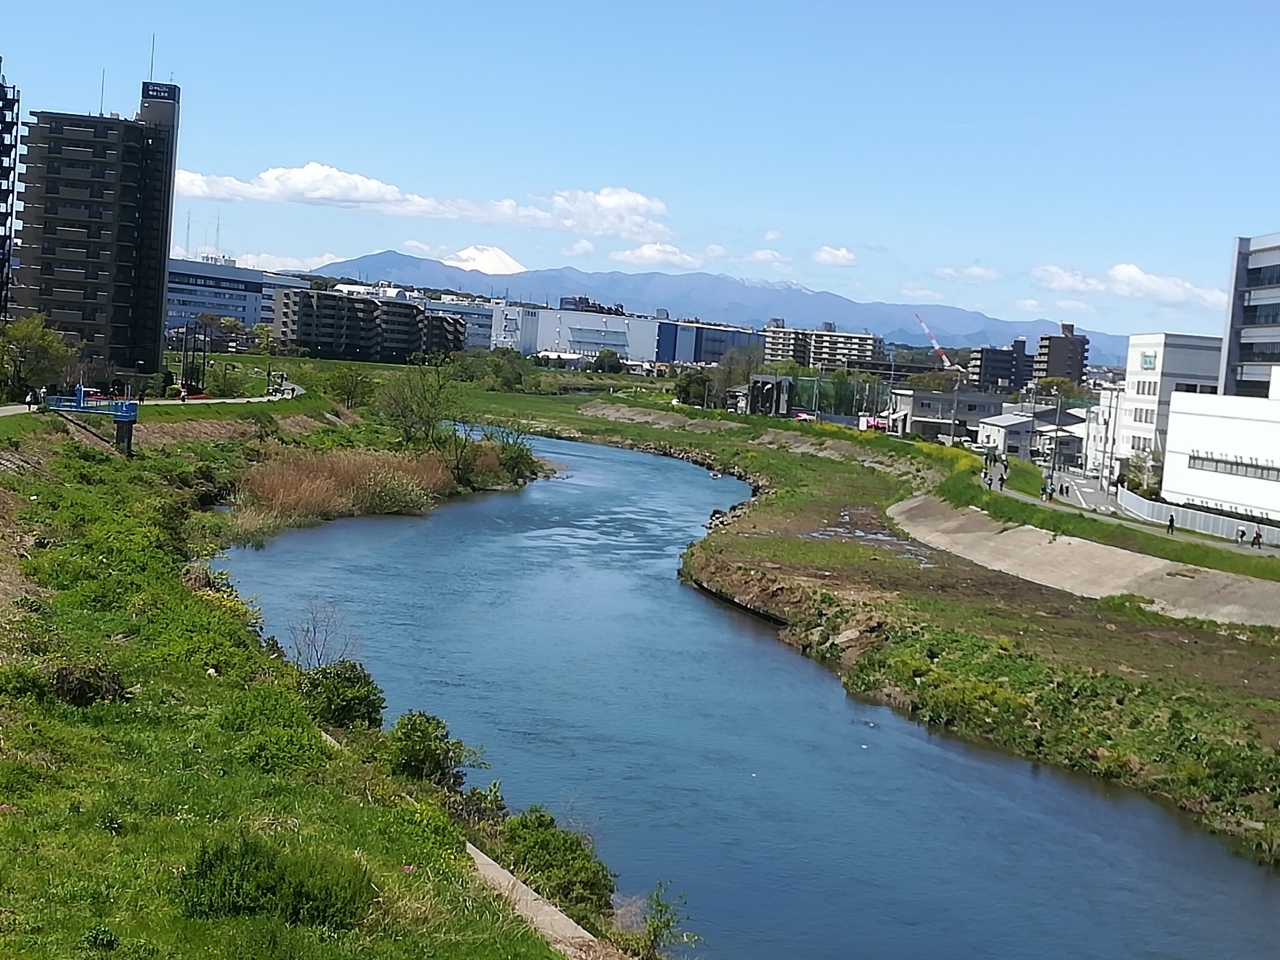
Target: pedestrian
[(1257, 536), (1002, 483), (1240, 536), (1169, 528), (182, 394), (988, 484), (31, 400)]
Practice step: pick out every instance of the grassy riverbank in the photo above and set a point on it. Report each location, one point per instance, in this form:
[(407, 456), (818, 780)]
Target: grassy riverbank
[(1187, 710), (165, 787)]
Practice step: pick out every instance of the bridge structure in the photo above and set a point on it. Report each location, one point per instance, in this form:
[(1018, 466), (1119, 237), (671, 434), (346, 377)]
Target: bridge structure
[(123, 412)]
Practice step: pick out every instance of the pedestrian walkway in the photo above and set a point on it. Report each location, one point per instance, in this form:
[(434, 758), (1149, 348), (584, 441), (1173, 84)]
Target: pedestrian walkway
[(1123, 521), (12, 409)]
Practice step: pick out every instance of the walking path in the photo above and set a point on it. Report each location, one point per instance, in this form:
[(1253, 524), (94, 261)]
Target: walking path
[(1091, 511), (12, 409), (1089, 569)]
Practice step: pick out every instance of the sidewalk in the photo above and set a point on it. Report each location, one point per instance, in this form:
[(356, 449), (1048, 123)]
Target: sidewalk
[(13, 409), (1090, 510)]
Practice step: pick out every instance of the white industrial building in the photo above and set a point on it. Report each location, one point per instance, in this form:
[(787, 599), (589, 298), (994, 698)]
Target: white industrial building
[(1008, 434), (1224, 452), (216, 285)]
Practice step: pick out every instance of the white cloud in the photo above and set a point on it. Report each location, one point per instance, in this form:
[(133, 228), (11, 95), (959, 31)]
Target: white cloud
[(917, 292), (425, 249), (714, 251), (1074, 306), (580, 248), (772, 235), (766, 256), (1056, 278), (877, 247), (491, 260), (974, 274), (834, 257), (261, 261), (609, 212), (1028, 304), (656, 254), (1128, 280)]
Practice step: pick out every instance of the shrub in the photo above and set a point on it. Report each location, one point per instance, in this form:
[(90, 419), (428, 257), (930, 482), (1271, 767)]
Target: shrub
[(419, 746), (557, 863), (342, 694), (21, 681), (99, 938), (248, 876), (277, 733), (84, 684)]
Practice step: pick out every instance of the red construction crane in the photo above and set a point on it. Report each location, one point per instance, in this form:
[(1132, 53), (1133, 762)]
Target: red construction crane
[(937, 347)]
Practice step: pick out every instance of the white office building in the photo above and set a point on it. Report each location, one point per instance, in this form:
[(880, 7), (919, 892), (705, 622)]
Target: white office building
[(1160, 365), (1253, 320), (1224, 452), (216, 285)]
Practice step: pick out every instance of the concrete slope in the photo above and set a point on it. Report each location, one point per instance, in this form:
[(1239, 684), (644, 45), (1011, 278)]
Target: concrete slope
[(1089, 569)]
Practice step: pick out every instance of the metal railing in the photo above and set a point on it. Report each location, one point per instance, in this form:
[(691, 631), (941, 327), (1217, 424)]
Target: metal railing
[(1185, 518), (123, 411)]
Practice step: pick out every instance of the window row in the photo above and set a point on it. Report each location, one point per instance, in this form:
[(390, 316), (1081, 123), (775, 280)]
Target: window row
[(1262, 315), (1268, 276), (1234, 467)]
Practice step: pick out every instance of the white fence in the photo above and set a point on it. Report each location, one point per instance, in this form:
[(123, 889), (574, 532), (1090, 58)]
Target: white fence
[(1186, 519)]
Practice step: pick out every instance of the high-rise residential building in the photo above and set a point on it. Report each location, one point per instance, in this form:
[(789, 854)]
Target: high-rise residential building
[(1252, 342), (9, 129), (1062, 355), (1160, 365), (97, 211), (995, 370), (825, 348)]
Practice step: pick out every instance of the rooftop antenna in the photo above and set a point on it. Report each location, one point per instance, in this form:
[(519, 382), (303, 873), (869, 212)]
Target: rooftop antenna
[(102, 92), (217, 235), (152, 74)]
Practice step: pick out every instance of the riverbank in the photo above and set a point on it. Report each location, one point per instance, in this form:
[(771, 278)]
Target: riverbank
[(1188, 710), (166, 788)]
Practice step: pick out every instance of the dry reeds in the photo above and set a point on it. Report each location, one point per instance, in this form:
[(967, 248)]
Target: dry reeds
[(299, 487)]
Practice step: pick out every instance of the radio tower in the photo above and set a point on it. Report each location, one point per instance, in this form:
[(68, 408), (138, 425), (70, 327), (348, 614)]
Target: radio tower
[(9, 114)]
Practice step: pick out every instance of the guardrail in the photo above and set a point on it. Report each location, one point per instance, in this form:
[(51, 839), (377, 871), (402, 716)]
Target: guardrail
[(1185, 518), (122, 411)]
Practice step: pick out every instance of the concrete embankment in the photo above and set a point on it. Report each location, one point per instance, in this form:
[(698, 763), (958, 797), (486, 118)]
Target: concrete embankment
[(1089, 569)]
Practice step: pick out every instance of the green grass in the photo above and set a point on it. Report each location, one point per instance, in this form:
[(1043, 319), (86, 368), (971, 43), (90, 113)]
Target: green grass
[(105, 808), (308, 403)]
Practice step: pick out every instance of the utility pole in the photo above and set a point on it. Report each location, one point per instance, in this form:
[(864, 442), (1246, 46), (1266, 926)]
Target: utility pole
[(955, 408)]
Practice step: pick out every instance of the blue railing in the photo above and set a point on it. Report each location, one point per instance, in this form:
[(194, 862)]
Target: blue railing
[(122, 411)]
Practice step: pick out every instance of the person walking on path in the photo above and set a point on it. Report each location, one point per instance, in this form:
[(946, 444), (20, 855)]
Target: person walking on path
[(1170, 527), (1240, 536), (1002, 483), (988, 483), (31, 399), (1257, 536)]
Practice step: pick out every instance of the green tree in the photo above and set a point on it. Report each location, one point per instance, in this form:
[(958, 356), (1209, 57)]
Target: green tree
[(350, 386), (1062, 387), (692, 386), (264, 342), (33, 353), (419, 746), (607, 361), (231, 326), (418, 401), (937, 380), (225, 380)]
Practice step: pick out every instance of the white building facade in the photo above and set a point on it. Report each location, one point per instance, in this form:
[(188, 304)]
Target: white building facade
[(1160, 365), (216, 285), (1252, 348), (1224, 453)]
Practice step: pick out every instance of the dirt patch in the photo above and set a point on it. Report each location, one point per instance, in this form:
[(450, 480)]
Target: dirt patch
[(918, 475), (185, 431), (656, 418), (300, 423)]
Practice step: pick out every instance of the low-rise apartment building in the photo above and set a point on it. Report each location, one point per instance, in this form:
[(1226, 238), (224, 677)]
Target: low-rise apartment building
[(340, 326), (940, 413), (995, 370), (826, 348)]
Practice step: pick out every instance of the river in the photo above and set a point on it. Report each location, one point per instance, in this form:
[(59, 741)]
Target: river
[(549, 626)]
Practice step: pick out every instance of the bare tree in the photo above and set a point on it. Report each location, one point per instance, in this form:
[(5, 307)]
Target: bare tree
[(320, 636)]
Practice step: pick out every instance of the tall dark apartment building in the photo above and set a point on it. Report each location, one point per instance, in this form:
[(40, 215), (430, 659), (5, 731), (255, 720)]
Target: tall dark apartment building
[(995, 370), (93, 248), (338, 326), (1064, 355), (9, 106)]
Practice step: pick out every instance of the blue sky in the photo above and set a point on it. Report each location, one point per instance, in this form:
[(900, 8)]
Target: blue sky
[(1080, 161)]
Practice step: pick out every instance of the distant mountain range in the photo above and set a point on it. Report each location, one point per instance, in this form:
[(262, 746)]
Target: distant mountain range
[(722, 299)]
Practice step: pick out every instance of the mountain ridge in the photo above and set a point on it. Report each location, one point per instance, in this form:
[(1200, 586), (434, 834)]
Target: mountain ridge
[(723, 299)]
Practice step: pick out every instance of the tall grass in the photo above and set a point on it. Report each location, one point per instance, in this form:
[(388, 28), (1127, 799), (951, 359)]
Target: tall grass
[(303, 486)]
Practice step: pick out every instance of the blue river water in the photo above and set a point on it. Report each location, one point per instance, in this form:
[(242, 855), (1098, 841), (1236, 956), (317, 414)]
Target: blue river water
[(548, 625)]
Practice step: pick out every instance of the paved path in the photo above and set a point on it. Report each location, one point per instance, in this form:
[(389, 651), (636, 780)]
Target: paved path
[(10, 410), (1089, 569), (1090, 510)]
